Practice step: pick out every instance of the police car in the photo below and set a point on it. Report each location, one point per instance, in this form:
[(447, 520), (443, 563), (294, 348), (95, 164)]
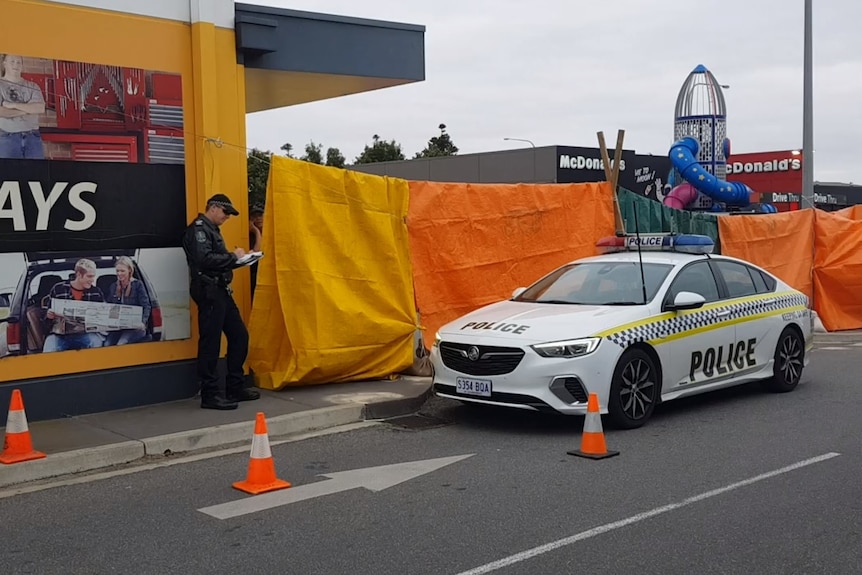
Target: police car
[(651, 319)]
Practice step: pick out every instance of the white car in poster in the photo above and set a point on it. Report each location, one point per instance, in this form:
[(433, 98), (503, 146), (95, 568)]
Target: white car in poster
[(636, 327)]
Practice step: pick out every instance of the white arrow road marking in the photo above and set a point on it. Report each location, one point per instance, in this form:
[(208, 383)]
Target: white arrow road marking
[(371, 478), (542, 549)]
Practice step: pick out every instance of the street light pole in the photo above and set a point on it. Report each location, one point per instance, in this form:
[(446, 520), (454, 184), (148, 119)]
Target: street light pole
[(534, 152), (521, 140), (808, 114)]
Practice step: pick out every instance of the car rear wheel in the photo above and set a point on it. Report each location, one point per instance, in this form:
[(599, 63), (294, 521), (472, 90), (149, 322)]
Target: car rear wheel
[(634, 390), (789, 360)]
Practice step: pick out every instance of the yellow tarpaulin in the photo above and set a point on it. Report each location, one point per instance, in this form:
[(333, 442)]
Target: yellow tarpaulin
[(334, 298)]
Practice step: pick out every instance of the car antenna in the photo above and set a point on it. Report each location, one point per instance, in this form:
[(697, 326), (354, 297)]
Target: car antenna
[(640, 256)]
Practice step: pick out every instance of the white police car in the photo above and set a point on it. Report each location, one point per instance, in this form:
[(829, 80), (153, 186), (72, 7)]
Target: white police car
[(635, 326)]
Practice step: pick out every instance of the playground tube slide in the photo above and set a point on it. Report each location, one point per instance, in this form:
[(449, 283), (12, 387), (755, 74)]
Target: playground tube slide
[(683, 155), (680, 196)]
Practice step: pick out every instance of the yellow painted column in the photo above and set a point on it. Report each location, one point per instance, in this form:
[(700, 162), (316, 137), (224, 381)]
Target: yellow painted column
[(219, 138), (206, 125)]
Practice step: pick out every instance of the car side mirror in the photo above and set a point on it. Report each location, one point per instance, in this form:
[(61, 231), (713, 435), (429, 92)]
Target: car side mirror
[(686, 300), (518, 291)]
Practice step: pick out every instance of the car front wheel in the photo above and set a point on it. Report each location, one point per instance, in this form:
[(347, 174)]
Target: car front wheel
[(634, 390), (789, 359)]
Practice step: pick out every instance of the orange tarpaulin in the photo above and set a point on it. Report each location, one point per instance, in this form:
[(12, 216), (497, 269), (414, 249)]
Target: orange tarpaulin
[(782, 244), (838, 270), (816, 252), (472, 244), (853, 212)]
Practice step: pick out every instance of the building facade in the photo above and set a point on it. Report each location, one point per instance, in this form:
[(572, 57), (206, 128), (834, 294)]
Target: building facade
[(640, 173), (118, 119), (775, 177)]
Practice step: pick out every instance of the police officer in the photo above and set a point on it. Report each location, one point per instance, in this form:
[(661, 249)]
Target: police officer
[(211, 268)]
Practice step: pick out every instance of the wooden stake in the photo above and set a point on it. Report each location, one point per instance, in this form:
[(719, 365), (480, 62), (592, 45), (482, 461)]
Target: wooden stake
[(618, 158), (605, 158), (612, 175)]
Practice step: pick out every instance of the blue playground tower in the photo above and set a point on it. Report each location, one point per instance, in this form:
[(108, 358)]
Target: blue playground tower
[(700, 151)]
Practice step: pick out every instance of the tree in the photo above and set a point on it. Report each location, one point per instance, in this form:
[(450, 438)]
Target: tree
[(258, 173), (313, 153), (438, 146), (380, 151), (335, 158), (259, 161)]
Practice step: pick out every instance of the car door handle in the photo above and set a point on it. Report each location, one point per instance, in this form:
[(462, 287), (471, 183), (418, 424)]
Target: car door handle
[(769, 301), (723, 313)]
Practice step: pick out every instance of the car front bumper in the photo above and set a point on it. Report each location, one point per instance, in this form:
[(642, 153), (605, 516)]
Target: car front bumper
[(534, 382)]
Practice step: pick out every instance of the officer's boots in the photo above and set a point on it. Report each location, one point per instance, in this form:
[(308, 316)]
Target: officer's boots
[(217, 402), (212, 397), (243, 394)]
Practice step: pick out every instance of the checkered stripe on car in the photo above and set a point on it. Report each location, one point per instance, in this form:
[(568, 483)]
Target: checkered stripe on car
[(680, 323)]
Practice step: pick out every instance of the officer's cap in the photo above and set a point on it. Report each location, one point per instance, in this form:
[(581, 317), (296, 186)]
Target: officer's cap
[(223, 202)]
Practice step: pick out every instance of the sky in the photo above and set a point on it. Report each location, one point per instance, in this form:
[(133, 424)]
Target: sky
[(559, 71)]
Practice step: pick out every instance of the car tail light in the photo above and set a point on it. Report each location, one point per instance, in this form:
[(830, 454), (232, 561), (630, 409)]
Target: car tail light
[(13, 337), (157, 320)]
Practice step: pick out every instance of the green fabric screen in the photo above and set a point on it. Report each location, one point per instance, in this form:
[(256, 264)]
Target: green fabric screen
[(654, 218)]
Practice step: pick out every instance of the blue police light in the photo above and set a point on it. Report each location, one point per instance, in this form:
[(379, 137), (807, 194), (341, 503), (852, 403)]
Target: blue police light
[(686, 243), (693, 244)]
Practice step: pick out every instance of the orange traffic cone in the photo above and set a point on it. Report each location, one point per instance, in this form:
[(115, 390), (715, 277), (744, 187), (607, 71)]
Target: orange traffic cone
[(261, 467), (593, 439), (18, 446)]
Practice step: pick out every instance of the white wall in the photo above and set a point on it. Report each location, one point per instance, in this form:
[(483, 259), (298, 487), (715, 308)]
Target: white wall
[(219, 12)]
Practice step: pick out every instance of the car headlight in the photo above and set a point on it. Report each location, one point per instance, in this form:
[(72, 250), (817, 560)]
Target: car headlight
[(436, 341), (568, 348)]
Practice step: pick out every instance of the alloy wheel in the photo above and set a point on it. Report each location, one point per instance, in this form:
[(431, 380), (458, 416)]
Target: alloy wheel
[(790, 358), (637, 392)]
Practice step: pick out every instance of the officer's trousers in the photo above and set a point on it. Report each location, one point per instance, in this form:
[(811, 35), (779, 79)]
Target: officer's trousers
[(217, 314)]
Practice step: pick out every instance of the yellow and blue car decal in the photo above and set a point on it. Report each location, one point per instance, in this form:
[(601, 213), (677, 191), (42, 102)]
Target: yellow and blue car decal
[(669, 326)]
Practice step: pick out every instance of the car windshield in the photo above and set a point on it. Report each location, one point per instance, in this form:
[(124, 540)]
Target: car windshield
[(598, 283)]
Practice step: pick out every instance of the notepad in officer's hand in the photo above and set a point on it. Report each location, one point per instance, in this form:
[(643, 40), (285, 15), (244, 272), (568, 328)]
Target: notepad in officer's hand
[(249, 259)]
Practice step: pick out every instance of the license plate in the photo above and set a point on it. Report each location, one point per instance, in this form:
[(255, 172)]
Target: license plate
[(480, 387)]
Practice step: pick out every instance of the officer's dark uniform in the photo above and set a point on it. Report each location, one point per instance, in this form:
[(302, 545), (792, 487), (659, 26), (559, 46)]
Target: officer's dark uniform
[(211, 269)]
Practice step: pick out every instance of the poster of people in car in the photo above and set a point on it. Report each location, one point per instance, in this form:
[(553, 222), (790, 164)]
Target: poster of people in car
[(92, 206), (93, 316)]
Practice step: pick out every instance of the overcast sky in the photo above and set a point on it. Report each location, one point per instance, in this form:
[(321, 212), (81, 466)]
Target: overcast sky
[(558, 71)]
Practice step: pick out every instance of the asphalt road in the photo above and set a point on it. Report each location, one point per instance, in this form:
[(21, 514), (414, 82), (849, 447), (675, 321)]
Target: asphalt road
[(708, 487)]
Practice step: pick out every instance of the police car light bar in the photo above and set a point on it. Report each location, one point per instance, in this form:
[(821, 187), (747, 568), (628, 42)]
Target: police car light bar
[(686, 243)]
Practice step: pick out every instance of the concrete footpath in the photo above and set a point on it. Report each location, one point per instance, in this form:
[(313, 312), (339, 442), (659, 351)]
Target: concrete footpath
[(102, 440), (839, 339)]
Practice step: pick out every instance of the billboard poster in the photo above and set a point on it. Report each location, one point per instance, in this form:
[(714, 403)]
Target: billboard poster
[(647, 175), (767, 172), (92, 206), (642, 174)]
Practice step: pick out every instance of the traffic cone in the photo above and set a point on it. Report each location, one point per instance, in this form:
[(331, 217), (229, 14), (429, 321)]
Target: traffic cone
[(18, 446), (593, 439), (261, 467)]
